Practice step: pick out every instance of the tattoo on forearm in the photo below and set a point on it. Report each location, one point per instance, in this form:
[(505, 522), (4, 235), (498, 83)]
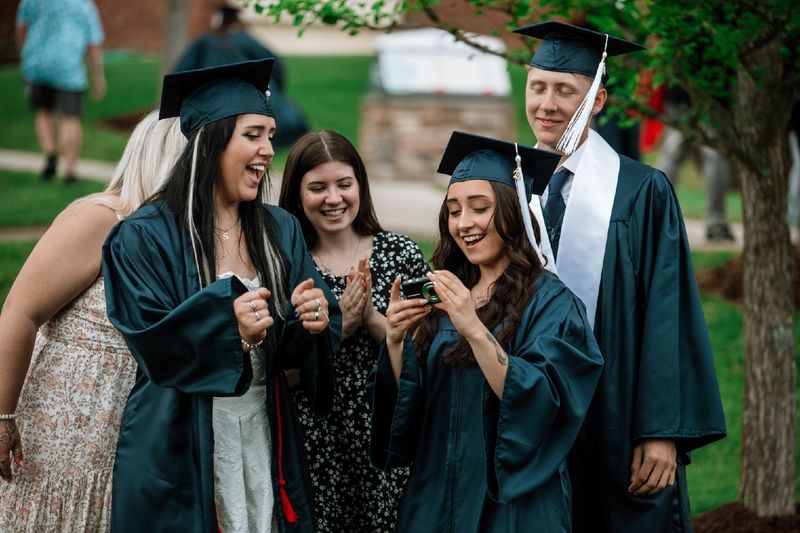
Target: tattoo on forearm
[(9, 428), (502, 358)]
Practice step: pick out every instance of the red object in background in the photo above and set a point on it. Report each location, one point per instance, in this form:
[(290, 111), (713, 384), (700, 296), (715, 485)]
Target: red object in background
[(651, 128)]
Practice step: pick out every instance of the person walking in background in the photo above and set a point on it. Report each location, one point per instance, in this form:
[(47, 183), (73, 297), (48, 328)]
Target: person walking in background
[(484, 390), (714, 167), (63, 426), (54, 39), (325, 186), (229, 43), (615, 237)]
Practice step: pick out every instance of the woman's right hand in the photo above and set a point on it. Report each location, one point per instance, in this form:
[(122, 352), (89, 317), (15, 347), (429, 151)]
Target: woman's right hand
[(402, 314), (10, 448), (252, 315)]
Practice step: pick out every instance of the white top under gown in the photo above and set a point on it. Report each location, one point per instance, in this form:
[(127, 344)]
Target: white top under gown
[(242, 453)]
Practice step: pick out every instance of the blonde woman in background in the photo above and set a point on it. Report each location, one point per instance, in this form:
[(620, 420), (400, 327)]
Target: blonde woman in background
[(54, 329)]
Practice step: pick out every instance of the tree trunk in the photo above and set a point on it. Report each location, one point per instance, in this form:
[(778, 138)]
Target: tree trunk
[(176, 32), (767, 483)]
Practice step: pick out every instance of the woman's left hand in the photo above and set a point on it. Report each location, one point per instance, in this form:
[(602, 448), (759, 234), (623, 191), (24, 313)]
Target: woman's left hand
[(456, 301), (311, 306), (366, 276)]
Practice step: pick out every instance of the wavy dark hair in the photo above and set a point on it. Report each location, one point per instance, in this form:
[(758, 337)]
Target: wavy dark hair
[(510, 293), (192, 200), (310, 151)]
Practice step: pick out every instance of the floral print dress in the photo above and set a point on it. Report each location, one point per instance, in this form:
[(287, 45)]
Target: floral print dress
[(69, 416), (349, 494)]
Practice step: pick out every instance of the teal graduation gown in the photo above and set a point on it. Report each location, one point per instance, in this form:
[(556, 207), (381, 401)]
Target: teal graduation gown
[(186, 343), (659, 379), (479, 463)]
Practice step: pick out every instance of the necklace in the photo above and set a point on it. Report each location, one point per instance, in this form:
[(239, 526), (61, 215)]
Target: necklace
[(224, 233), (328, 270)]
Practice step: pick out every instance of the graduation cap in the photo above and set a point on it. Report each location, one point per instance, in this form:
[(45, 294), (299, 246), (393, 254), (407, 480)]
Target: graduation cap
[(202, 96), (567, 48), (474, 157)]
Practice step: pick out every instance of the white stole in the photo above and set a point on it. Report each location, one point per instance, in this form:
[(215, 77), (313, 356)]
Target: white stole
[(584, 230)]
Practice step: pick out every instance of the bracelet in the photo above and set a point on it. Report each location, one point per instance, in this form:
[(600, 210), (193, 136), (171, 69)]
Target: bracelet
[(250, 345), (8, 417)]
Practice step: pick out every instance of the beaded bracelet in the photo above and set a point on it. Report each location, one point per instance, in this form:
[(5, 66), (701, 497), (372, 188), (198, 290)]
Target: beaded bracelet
[(8, 417), (250, 345)]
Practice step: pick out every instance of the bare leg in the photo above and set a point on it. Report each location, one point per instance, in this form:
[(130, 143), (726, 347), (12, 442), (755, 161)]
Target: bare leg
[(70, 143), (45, 125), (46, 131)]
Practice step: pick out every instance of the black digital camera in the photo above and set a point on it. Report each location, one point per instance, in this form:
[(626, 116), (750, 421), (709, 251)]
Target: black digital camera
[(419, 288)]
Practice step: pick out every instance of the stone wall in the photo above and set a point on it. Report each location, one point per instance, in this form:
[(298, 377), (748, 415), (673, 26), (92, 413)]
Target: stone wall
[(403, 137)]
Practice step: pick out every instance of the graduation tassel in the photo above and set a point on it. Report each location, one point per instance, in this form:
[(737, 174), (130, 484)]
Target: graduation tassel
[(572, 135), (523, 204), (286, 505)]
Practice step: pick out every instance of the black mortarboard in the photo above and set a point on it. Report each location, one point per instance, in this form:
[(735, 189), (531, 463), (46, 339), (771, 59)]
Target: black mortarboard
[(471, 157), (202, 96), (567, 48)]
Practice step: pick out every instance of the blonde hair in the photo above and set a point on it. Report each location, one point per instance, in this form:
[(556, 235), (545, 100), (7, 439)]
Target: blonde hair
[(152, 150)]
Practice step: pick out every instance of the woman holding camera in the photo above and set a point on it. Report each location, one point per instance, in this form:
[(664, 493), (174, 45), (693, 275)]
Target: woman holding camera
[(325, 186), (484, 392)]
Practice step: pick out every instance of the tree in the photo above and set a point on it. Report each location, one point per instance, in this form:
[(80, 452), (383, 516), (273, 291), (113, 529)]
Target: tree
[(738, 61)]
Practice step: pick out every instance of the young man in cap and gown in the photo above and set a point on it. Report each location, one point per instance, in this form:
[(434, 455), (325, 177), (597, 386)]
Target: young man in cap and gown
[(615, 236)]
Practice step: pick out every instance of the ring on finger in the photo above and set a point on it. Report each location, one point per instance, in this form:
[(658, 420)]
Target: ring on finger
[(319, 304), (253, 305), (258, 317)]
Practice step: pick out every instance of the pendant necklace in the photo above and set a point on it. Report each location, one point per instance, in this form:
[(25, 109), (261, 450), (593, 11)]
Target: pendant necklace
[(225, 234)]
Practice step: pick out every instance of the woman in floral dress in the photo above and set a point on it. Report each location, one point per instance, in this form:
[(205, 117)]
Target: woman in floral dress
[(65, 420), (325, 186)]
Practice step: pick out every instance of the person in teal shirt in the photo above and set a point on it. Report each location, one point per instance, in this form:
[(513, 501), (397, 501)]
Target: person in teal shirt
[(483, 393), (216, 295)]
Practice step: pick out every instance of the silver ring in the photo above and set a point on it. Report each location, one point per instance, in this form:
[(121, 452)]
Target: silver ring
[(253, 305), (319, 304), (258, 317), (316, 316)]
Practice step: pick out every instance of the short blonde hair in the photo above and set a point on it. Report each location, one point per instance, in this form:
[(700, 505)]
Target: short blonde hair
[(152, 150)]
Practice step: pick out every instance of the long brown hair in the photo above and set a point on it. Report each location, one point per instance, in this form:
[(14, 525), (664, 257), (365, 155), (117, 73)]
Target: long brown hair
[(310, 151), (510, 292)]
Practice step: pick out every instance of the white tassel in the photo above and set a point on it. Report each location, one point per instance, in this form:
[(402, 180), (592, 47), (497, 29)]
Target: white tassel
[(201, 274), (572, 135), (523, 204)]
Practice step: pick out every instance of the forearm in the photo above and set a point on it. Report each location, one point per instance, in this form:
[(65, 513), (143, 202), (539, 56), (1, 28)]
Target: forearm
[(376, 326), (395, 351), (491, 358), (17, 338), (95, 56)]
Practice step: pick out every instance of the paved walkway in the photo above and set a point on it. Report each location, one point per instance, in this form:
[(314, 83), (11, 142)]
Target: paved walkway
[(403, 206)]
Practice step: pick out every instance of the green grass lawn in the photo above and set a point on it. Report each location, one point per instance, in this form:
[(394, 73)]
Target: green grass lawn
[(25, 200), (12, 256)]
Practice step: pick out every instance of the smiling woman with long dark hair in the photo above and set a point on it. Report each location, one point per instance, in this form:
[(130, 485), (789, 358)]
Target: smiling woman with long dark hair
[(216, 296), (484, 392)]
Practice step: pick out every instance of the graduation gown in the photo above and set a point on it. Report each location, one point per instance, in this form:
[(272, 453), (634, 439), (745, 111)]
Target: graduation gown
[(659, 380), (479, 463), (186, 343)]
